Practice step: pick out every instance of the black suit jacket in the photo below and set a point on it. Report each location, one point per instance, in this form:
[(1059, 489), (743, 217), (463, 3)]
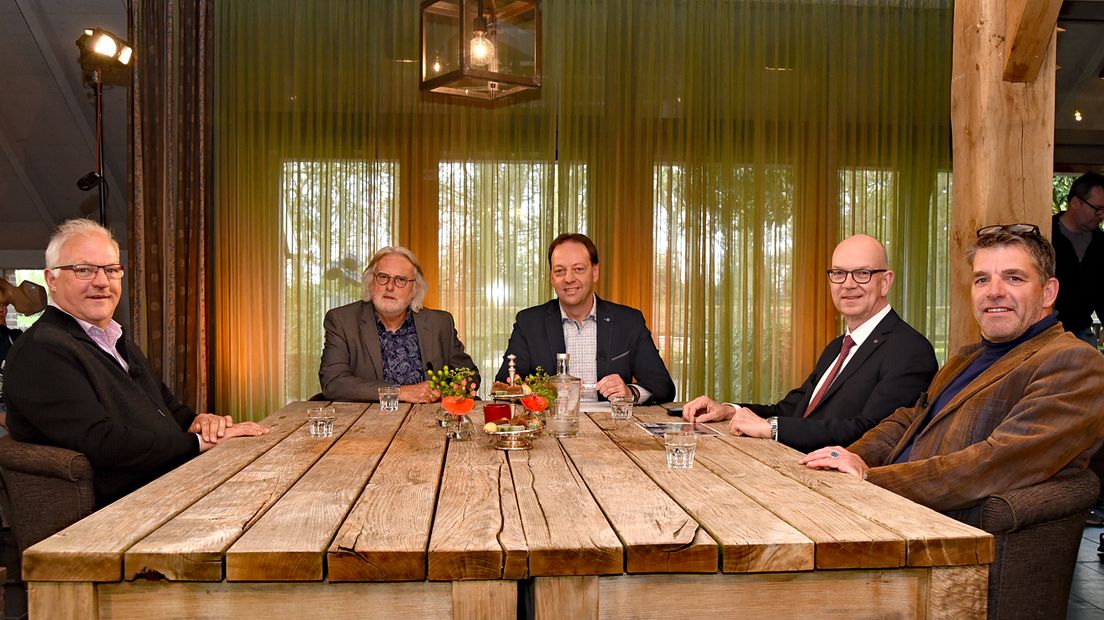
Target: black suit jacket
[(890, 370), (625, 346), (63, 390)]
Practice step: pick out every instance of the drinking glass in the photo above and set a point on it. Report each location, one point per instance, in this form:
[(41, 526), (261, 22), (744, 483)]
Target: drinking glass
[(681, 442), (389, 398), (621, 410), (320, 421)]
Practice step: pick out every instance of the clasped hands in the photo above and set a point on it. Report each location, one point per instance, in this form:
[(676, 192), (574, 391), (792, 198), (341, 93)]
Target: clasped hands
[(744, 421), (213, 428)]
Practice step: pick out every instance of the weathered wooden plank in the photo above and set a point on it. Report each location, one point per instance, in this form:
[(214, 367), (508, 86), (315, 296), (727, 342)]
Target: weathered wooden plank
[(932, 539), (565, 530), (386, 534), (52, 599), (1029, 29), (843, 538), (957, 593), (484, 600), (658, 535), (820, 594), (472, 537), (567, 597), (169, 600), (290, 541), (92, 549), (751, 538), (191, 546)]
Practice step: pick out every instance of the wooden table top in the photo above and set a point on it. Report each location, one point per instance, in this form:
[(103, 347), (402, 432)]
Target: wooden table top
[(389, 498)]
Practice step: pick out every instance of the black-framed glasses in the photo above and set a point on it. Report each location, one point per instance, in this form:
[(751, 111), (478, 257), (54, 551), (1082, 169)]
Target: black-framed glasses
[(1015, 229), (860, 276), (1098, 210), (85, 271), (383, 278)]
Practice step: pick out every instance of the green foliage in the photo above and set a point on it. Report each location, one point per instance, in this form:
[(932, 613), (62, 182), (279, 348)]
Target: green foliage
[(1060, 190), (453, 381)]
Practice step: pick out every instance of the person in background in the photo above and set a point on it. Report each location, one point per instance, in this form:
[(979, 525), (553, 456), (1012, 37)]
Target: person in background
[(74, 380), (609, 345), (880, 363), (389, 338), (1079, 250), (1024, 405)]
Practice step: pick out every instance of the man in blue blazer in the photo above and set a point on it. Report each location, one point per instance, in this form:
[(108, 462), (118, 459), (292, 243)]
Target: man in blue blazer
[(609, 344), (887, 364)]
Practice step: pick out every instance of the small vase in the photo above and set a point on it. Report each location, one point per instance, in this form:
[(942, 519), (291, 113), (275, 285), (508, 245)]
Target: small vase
[(443, 417), (459, 428)]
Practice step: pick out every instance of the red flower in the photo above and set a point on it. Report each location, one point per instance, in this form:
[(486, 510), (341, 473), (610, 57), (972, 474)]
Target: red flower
[(457, 405), (535, 402)]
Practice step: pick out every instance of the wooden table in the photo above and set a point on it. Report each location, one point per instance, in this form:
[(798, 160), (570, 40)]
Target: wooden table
[(388, 517)]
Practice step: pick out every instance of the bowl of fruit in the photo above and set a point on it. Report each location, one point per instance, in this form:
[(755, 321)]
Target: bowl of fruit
[(517, 433)]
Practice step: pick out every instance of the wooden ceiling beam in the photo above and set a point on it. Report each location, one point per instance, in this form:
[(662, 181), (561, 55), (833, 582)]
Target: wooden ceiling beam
[(1029, 27)]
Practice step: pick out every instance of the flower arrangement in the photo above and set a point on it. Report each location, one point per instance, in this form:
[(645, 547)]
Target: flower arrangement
[(457, 387), (542, 392)]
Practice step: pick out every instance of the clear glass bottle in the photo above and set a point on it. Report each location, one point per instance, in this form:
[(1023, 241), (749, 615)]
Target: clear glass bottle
[(563, 415)]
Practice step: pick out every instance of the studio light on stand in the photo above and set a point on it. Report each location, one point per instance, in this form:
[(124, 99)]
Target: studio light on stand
[(104, 59)]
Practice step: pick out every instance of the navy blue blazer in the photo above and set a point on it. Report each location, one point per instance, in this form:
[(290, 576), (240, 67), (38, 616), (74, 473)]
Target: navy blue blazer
[(625, 346), (890, 370)]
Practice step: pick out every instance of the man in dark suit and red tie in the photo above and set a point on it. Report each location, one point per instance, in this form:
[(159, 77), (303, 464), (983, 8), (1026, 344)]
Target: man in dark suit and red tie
[(879, 364)]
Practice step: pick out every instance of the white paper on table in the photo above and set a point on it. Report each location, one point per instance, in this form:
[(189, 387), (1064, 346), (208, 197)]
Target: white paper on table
[(594, 407)]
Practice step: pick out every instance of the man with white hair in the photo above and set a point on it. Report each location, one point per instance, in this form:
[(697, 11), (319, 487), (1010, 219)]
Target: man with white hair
[(389, 338), (75, 381)]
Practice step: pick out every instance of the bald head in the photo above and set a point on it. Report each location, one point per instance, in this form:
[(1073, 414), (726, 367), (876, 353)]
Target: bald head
[(858, 301)]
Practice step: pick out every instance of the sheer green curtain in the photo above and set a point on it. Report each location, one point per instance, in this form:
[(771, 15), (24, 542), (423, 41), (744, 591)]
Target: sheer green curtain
[(715, 150)]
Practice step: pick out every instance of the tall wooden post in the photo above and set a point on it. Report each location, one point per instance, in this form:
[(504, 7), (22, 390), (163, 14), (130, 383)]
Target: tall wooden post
[(1002, 123)]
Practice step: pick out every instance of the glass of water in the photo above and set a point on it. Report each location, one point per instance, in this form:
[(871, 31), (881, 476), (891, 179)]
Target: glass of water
[(681, 442), (320, 421), (389, 398), (621, 410)]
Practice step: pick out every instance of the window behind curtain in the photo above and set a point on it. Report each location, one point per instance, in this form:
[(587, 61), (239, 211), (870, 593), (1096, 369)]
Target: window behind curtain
[(724, 277), (336, 214), (494, 227)]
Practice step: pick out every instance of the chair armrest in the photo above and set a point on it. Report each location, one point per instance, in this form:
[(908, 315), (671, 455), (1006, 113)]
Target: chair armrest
[(1050, 500), (48, 461)]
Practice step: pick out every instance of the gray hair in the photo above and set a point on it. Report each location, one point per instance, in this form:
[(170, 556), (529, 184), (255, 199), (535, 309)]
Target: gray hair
[(77, 227), (420, 286)]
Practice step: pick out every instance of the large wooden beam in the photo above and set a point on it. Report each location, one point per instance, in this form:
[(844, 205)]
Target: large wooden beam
[(1028, 31), (1002, 143)]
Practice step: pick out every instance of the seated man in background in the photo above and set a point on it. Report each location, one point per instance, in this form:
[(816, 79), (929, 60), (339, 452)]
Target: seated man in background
[(73, 380), (1020, 407), (389, 338), (879, 364), (609, 344)]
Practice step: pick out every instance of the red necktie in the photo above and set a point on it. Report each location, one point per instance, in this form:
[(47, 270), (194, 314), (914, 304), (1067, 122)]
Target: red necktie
[(847, 344)]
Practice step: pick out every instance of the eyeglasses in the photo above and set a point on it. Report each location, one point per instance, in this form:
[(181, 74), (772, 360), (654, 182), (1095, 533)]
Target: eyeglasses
[(1015, 229), (860, 276), (1098, 210), (383, 278), (87, 272)]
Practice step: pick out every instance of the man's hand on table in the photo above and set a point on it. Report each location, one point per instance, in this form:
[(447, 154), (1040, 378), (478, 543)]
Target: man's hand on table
[(211, 429), (612, 385), (745, 422), (705, 409), (418, 393), (835, 457)]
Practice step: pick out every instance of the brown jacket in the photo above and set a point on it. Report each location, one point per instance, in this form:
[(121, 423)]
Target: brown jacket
[(1036, 412)]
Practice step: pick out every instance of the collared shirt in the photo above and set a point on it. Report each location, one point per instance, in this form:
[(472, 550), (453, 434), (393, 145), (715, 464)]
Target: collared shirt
[(581, 340), (106, 339), (859, 335), (402, 355), (581, 345)]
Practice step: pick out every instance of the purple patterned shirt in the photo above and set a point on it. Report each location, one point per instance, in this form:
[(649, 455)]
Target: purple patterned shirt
[(402, 355)]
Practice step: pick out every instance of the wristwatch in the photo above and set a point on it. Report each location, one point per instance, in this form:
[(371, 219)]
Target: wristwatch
[(774, 427)]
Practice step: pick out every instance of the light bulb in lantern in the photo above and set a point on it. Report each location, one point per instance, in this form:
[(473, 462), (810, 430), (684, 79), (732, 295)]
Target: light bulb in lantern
[(482, 50)]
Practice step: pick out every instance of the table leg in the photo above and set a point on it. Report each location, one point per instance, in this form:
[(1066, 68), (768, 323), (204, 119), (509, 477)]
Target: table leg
[(484, 600), (566, 597), (53, 599)]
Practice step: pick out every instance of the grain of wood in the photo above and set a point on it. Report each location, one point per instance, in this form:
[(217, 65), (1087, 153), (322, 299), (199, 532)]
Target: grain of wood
[(751, 538), (566, 597), (658, 535), (957, 593), (386, 534), (52, 599), (290, 541), (484, 600), (565, 530)]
